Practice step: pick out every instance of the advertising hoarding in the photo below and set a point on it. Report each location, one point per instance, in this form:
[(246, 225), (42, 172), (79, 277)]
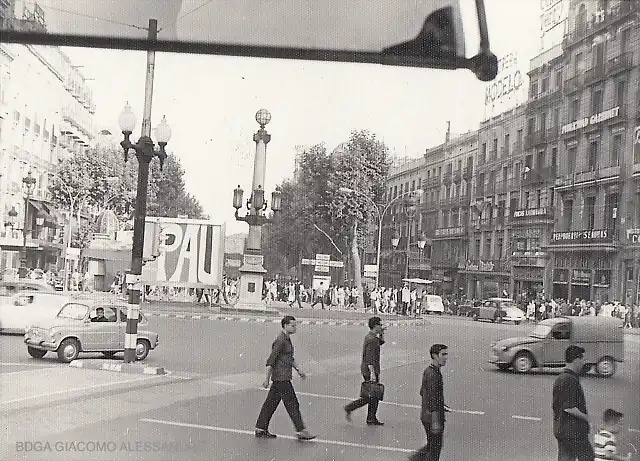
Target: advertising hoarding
[(191, 253)]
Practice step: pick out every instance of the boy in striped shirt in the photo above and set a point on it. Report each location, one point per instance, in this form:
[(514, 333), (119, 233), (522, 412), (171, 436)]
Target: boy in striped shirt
[(605, 445)]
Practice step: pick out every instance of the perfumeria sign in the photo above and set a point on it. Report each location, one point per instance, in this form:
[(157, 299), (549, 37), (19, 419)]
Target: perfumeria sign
[(593, 120)]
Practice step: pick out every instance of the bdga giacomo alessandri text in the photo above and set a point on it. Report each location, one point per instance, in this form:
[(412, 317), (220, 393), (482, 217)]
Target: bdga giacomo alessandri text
[(104, 446)]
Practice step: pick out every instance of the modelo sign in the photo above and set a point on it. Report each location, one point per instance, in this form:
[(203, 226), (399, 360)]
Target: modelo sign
[(190, 253)]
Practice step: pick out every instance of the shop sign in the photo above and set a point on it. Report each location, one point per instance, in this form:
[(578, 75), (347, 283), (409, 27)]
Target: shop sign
[(449, 231), (593, 120), (633, 236), (528, 261), (581, 276), (530, 212), (480, 266), (583, 236), (526, 233), (528, 273)]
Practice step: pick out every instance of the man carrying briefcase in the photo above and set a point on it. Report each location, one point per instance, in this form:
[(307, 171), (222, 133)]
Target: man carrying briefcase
[(371, 391)]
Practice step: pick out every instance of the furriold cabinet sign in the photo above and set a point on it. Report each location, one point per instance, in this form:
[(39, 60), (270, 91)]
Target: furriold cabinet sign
[(593, 120)]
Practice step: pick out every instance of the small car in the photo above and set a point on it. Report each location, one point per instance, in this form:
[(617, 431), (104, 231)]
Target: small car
[(432, 303), (498, 310), (76, 329), (602, 338), (10, 288), (24, 308)]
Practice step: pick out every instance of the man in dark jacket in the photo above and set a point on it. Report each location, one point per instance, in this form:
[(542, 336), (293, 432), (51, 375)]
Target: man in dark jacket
[(279, 372), (570, 419), (433, 407), (370, 369)]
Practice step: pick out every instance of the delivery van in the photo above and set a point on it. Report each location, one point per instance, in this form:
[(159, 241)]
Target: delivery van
[(602, 338)]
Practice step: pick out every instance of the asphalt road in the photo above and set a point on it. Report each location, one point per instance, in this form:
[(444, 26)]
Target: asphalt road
[(211, 414)]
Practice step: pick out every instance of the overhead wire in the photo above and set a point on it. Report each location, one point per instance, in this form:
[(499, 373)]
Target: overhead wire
[(185, 15)]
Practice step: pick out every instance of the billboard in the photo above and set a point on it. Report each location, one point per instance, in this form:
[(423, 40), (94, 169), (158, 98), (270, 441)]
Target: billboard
[(183, 253), (509, 88), (553, 22)]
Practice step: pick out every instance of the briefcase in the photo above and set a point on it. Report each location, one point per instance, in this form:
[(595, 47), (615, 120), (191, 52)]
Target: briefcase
[(372, 390)]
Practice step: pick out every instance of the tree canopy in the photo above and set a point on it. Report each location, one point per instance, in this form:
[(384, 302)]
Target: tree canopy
[(100, 178), (313, 205)]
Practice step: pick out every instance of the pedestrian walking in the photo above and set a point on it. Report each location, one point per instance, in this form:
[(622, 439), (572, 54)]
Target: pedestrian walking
[(570, 419), (433, 407), (370, 369), (279, 371), (319, 296)]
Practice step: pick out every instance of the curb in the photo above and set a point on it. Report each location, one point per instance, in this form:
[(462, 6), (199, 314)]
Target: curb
[(130, 368), (256, 319)]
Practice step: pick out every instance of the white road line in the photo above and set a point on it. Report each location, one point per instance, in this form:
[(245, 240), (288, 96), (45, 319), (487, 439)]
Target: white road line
[(286, 437), (527, 418), (27, 364), (66, 391), (395, 404), (16, 372)]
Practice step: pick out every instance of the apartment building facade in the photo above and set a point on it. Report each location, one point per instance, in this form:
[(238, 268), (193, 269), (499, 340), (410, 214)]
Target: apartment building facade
[(592, 246), (46, 114)]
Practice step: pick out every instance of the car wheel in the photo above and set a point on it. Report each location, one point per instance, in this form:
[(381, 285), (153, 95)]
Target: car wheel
[(69, 350), (36, 353), (523, 362), (142, 349), (108, 354), (503, 366), (517, 322), (474, 316), (606, 367)]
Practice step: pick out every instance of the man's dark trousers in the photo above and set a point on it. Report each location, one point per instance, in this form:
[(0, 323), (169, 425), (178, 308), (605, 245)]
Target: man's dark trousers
[(575, 449), (431, 451), (280, 390), (361, 402)]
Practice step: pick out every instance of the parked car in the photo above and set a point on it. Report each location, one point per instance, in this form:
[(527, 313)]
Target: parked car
[(602, 339), (9, 288), (465, 309), (24, 308), (74, 330), (499, 310), (433, 304)]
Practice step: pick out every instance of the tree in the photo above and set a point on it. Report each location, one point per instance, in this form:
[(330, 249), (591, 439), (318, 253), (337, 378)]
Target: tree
[(314, 199), (99, 178), (167, 191)]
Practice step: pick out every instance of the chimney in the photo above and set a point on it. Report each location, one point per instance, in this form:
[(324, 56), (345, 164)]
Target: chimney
[(448, 136)]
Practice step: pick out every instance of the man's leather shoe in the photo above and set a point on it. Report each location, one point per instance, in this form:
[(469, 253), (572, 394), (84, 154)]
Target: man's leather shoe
[(375, 423), (347, 415), (262, 434), (305, 435)]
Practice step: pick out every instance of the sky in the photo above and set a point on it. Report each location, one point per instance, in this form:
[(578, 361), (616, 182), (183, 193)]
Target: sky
[(210, 103)]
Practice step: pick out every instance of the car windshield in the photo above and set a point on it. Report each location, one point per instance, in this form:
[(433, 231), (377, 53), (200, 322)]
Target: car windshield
[(540, 331), (73, 311)]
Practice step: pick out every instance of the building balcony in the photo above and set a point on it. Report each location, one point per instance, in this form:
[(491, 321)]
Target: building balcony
[(450, 232), (573, 84), (419, 263), (635, 170), (445, 202), (464, 200), (552, 133), (620, 63), (539, 176), (445, 263), (530, 258), (457, 176), (544, 98), (595, 74), (446, 178), (467, 172), (433, 182)]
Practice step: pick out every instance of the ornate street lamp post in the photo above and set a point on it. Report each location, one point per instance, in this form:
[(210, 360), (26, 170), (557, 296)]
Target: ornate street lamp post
[(29, 183), (145, 152), (410, 210), (252, 270)]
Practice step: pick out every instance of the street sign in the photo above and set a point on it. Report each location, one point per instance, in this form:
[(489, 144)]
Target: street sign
[(322, 262), (370, 270)]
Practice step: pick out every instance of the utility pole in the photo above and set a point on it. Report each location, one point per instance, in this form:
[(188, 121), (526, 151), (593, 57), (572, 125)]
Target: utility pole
[(133, 309)]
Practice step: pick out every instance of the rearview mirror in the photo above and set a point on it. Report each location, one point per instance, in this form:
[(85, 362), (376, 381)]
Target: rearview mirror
[(414, 33)]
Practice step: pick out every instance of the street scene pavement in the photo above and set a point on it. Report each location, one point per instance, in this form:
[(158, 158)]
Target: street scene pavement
[(206, 406)]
